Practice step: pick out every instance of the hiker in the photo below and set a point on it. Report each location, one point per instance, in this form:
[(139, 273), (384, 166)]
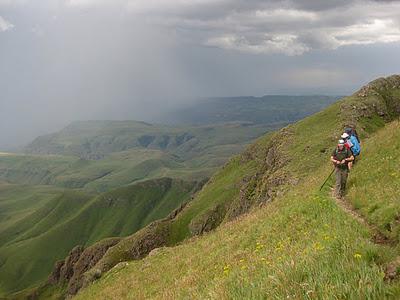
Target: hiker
[(349, 145), (353, 135), (351, 138), (351, 130), (340, 158)]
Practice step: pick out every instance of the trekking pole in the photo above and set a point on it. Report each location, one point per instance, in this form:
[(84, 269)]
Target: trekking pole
[(326, 180)]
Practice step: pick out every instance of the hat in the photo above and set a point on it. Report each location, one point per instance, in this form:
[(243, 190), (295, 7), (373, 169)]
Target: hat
[(345, 135), (341, 142)]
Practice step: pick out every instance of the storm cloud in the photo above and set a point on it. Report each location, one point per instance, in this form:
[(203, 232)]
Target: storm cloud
[(288, 27), (64, 60)]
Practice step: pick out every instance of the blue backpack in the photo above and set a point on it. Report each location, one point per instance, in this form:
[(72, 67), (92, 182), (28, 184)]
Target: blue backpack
[(356, 149)]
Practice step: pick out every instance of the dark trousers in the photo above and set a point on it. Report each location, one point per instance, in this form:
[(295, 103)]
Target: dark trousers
[(341, 179)]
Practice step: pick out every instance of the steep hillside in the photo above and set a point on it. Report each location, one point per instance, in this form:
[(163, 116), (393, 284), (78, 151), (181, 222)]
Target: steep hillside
[(302, 244), (40, 225)]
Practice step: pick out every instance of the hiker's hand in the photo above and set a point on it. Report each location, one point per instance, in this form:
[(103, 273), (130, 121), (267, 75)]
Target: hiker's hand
[(343, 162)]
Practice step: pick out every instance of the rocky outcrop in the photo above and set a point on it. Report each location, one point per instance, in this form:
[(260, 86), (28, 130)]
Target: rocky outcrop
[(207, 221), (54, 277), (136, 246), (379, 85), (88, 258), (69, 272), (378, 98), (67, 269), (269, 179)]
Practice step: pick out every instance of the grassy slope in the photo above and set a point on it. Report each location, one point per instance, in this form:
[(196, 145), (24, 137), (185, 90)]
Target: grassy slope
[(30, 246), (225, 184), (303, 246), (300, 246), (17, 202), (375, 182)]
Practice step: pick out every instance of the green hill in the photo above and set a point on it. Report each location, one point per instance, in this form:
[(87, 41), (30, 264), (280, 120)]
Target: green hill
[(117, 158), (40, 225), (302, 243), (95, 139)]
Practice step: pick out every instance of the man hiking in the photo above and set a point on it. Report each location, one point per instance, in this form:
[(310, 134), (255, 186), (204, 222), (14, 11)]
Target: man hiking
[(341, 157)]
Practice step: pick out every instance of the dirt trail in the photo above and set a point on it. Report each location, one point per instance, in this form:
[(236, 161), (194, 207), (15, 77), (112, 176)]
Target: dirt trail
[(391, 269), (377, 236)]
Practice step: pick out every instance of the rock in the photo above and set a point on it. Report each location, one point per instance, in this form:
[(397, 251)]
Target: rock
[(392, 270), (207, 221), (54, 277), (156, 251), (88, 258), (67, 269)]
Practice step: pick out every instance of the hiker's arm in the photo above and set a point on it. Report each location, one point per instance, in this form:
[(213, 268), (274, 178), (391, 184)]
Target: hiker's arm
[(334, 160), (351, 158)]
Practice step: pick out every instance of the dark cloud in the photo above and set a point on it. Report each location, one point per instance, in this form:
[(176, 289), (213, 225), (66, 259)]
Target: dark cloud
[(86, 59)]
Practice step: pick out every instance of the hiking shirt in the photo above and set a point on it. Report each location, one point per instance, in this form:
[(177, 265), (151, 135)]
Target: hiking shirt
[(356, 145), (340, 155)]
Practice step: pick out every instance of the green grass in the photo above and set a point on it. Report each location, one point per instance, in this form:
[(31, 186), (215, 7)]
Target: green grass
[(17, 202), (375, 181), (45, 226)]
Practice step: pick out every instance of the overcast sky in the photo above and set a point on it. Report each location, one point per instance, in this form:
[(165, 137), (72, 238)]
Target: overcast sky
[(64, 60)]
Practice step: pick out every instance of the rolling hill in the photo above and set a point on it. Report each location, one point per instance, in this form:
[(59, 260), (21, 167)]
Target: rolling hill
[(39, 225), (117, 154), (301, 243)]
